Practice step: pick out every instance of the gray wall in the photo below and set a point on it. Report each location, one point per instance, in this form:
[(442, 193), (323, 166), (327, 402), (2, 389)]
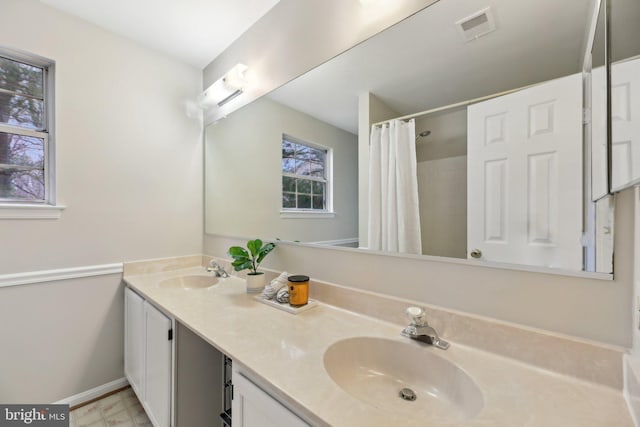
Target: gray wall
[(60, 338), (129, 170), (128, 158)]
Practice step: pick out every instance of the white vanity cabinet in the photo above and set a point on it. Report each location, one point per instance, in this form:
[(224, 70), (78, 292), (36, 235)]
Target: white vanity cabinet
[(148, 356), (134, 338), (253, 407)]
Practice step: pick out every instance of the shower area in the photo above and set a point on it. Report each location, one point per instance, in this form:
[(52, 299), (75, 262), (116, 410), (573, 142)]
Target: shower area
[(439, 144), (441, 154), (497, 178)]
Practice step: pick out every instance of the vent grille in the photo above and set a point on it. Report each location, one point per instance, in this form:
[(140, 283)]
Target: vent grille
[(477, 25)]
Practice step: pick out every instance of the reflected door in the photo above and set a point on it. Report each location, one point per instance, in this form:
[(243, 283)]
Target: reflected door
[(525, 176), (625, 123)]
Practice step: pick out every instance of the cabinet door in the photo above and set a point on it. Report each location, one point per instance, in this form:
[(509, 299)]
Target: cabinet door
[(134, 341), (158, 366), (252, 407)]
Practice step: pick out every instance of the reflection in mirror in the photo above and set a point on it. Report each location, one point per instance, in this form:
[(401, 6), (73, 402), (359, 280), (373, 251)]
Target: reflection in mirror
[(250, 168), (625, 92), (498, 140), (596, 100)]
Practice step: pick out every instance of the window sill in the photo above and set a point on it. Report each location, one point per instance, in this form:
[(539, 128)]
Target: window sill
[(306, 214), (26, 211)]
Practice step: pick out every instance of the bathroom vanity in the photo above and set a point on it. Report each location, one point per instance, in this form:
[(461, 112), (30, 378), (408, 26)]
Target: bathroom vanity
[(344, 362), (177, 377)]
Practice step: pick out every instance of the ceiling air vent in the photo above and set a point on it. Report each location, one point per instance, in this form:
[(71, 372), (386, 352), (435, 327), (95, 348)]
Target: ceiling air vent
[(477, 25)]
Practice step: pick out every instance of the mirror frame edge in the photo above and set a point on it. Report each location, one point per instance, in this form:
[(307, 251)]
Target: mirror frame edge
[(437, 259)]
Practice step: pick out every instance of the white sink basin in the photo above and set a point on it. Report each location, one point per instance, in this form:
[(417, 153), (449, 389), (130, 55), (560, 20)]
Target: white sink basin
[(190, 282), (375, 370)]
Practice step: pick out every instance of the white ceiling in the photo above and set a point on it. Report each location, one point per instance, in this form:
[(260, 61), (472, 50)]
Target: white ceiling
[(192, 31), (423, 62)]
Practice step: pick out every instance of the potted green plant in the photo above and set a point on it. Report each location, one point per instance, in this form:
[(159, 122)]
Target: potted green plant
[(250, 260)]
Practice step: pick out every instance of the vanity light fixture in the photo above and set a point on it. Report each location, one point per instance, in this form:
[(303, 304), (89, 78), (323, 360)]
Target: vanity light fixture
[(228, 87)]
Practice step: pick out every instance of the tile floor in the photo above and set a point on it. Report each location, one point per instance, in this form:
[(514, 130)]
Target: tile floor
[(121, 409)]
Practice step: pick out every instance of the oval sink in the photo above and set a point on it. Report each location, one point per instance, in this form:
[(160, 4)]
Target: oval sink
[(189, 282), (378, 371)]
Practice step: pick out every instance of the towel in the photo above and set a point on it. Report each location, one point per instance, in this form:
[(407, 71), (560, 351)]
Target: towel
[(275, 285), (283, 295)]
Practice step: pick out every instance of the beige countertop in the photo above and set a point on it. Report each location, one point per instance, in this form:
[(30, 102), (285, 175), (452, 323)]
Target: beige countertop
[(286, 352)]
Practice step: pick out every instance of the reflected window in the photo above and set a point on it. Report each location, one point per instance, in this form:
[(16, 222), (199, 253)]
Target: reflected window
[(305, 175), (24, 129)]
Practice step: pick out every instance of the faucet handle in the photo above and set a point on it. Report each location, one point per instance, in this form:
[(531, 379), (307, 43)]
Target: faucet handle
[(417, 316)]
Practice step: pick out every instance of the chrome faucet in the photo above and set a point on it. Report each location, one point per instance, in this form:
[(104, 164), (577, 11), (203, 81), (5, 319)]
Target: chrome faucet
[(214, 267), (420, 330)]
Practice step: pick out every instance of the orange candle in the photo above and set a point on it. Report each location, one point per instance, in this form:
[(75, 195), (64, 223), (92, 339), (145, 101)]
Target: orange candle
[(298, 290)]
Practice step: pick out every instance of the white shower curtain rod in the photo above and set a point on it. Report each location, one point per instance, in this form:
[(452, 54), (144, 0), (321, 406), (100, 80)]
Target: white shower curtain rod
[(450, 106)]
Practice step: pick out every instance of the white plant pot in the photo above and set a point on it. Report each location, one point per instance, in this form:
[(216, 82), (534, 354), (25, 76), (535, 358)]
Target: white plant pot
[(256, 282)]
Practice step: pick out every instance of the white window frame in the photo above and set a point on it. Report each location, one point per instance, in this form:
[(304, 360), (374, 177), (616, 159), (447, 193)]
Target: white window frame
[(328, 168), (47, 208)]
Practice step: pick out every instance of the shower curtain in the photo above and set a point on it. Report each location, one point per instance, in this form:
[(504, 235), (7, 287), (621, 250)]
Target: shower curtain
[(394, 218)]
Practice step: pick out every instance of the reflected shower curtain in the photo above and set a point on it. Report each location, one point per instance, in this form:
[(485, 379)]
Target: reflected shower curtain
[(394, 217)]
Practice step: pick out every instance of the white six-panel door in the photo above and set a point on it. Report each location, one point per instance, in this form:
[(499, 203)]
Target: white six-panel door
[(625, 122), (525, 176)]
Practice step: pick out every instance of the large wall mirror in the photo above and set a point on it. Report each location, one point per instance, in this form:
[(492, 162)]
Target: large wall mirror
[(489, 99), (624, 54)]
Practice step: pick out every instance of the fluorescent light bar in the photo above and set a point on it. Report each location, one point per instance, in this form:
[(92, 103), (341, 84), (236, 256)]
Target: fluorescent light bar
[(226, 88)]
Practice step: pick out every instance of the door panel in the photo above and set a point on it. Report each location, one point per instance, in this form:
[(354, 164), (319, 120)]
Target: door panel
[(625, 123), (525, 176), (253, 407), (158, 366), (134, 341)]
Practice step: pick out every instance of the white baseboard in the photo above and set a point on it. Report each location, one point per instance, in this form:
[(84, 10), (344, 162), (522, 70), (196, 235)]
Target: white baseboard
[(85, 396)]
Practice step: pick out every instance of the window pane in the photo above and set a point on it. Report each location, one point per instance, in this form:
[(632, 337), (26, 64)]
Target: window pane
[(288, 149), (318, 202), (317, 155), (288, 200), (21, 150), (289, 165), (288, 184), (302, 152), (304, 186), (22, 184), (303, 168), (18, 77), (316, 169), (304, 201), (318, 188), (22, 111), (299, 162)]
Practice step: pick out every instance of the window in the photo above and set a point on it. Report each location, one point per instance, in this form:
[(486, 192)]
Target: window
[(305, 176), (26, 143)]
